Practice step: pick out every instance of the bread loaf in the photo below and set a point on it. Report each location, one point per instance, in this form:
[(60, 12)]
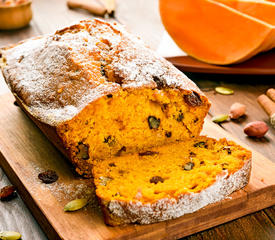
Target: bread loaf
[(103, 92), (127, 117)]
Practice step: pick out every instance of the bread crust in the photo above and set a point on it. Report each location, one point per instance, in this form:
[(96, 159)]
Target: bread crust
[(51, 133), (119, 212), (54, 77), (52, 80)]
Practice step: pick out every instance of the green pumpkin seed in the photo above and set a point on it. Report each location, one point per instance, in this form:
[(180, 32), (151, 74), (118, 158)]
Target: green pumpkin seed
[(9, 235), (76, 205), (220, 118), (153, 122), (224, 91)]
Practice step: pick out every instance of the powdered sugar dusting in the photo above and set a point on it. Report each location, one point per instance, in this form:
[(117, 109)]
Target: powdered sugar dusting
[(165, 209), (56, 76)]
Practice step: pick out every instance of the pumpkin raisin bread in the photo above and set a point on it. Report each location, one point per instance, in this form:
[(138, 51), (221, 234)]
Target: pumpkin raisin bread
[(169, 181), (99, 92)]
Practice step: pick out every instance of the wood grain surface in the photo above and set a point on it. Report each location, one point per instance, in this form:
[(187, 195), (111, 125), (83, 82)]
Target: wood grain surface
[(23, 159), (141, 16)]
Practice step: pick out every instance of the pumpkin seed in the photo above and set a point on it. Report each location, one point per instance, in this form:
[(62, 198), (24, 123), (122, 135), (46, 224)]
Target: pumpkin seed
[(224, 91), (200, 144), (153, 122), (220, 118), (9, 235), (188, 166), (83, 151), (75, 205)]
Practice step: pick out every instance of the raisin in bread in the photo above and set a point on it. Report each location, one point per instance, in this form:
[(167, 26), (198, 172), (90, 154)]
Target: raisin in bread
[(96, 91), (169, 181)]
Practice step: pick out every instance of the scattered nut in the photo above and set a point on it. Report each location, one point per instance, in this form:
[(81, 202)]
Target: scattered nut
[(256, 129), (224, 91), (220, 118), (156, 179), (9, 235), (48, 176), (7, 193), (153, 122), (188, 166), (237, 110), (76, 205)]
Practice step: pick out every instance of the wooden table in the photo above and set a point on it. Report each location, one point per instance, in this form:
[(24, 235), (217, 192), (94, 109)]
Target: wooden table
[(141, 16)]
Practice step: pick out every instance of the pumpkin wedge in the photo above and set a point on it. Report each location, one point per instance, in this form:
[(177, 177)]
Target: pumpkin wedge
[(213, 32), (260, 9)]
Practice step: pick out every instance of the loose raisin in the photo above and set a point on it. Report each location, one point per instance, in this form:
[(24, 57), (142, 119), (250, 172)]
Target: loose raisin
[(15, 103), (109, 95), (7, 193), (168, 134), (147, 153), (156, 179), (164, 107), (21, 58), (153, 122), (192, 154), (48, 176), (160, 82), (123, 149), (110, 140), (83, 151), (193, 99), (56, 38), (224, 166), (180, 117), (196, 119), (102, 70), (188, 166), (227, 148), (112, 164)]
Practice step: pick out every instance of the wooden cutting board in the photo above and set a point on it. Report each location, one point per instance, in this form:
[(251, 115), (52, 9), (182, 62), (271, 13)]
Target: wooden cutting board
[(25, 152)]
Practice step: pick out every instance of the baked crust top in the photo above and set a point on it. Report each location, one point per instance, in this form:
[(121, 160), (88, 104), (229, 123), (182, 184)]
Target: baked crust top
[(56, 76)]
